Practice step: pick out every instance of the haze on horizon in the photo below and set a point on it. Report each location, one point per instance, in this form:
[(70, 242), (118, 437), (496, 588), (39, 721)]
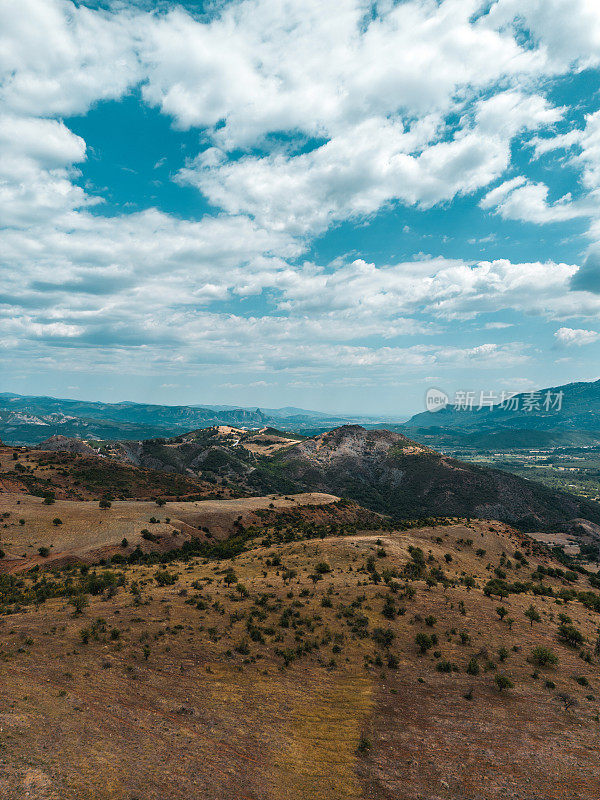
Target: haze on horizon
[(271, 204)]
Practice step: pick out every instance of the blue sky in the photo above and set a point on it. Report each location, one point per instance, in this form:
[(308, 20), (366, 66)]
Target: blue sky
[(282, 203)]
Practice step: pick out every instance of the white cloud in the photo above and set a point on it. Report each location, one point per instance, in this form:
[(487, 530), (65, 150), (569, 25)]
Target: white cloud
[(575, 336), (47, 142), (566, 31), (261, 67), (521, 199), (58, 58), (508, 113), (353, 175), (417, 104)]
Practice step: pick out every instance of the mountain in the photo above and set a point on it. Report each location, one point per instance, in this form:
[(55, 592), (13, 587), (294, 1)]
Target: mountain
[(30, 420), (571, 407), (382, 470), (388, 472)]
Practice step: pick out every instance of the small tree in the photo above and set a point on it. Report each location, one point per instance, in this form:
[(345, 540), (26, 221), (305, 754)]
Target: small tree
[(473, 667), (389, 609), (502, 611), (79, 603), (230, 577), (570, 635), (566, 699), (104, 503), (383, 637), (532, 615)]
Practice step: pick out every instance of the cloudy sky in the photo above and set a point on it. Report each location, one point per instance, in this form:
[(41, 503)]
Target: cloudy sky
[(295, 202)]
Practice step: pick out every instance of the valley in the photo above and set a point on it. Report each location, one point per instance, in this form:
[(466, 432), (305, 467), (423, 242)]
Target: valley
[(573, 469)]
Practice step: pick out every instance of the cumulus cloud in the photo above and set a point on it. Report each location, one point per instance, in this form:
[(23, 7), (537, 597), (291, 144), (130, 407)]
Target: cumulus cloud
[(568, 31), (575, 336), (257, 66), (587, 277), (510, 112), (524, 200), (308, 117), (353, 175), (58, 58)]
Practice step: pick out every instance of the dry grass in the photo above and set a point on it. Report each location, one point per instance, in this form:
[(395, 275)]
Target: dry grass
[(88, 532), (197, 718)]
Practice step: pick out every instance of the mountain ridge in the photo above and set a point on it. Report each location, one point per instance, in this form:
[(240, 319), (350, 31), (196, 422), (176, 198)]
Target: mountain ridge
[(28, 420), (574, 411), (381, 470)]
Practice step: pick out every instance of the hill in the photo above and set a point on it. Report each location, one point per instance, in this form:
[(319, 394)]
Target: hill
[(387, 472), (362, 665), (382, 470), (87, 532)]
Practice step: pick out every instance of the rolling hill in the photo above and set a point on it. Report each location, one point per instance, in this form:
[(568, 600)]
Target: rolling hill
[(275, 647), (356, 666)]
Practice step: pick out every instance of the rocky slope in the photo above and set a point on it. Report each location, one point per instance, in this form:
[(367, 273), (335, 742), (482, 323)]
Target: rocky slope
[(387, 472), (382, 470)]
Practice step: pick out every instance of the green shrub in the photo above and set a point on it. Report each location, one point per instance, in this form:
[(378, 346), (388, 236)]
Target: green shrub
[(543, 657), (473, 667), (570, 634), (423, 642), (164, 578), (503, 682), (383, 637)]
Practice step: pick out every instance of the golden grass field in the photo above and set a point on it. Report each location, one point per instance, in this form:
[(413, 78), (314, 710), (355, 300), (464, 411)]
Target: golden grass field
[(87, 532), (182, 690)]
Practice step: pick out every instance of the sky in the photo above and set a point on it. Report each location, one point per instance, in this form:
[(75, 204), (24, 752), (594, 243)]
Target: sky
[(272, 202)]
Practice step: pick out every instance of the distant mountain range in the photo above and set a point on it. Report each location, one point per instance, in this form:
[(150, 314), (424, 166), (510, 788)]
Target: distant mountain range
[(567, 415), (30, 420), (561, 416)]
